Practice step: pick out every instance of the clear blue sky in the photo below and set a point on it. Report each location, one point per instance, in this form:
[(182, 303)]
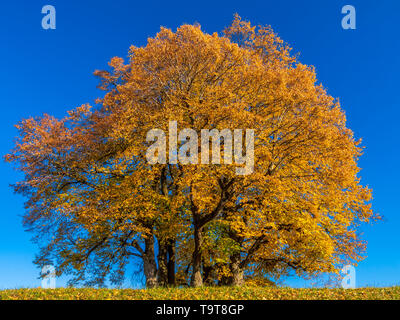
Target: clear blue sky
[(51, 71)]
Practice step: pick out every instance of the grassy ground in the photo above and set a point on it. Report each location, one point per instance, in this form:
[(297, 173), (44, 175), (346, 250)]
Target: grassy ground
[(205, 293)]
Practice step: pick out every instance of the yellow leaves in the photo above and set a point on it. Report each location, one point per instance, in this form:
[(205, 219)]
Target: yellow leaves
[(299, 206), (258, 289)]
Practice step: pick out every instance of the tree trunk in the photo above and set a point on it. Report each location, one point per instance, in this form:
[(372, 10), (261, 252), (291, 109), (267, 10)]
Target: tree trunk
[(171, 262), (237, 271), (149, 263), (162, 275), (197, 279)]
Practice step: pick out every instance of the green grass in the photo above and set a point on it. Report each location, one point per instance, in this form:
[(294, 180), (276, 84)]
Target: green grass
[(204, 293)]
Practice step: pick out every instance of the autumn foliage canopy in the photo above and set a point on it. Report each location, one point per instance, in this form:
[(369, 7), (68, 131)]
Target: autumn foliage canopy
[(96, 205)]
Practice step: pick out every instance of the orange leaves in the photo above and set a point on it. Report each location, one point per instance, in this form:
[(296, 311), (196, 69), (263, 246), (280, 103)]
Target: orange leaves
[(87, 173)]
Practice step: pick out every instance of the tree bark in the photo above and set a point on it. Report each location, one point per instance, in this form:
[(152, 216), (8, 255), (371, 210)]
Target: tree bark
[(149, 263), (171, 262), (197, 279), (237, 271), (162, 275)]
